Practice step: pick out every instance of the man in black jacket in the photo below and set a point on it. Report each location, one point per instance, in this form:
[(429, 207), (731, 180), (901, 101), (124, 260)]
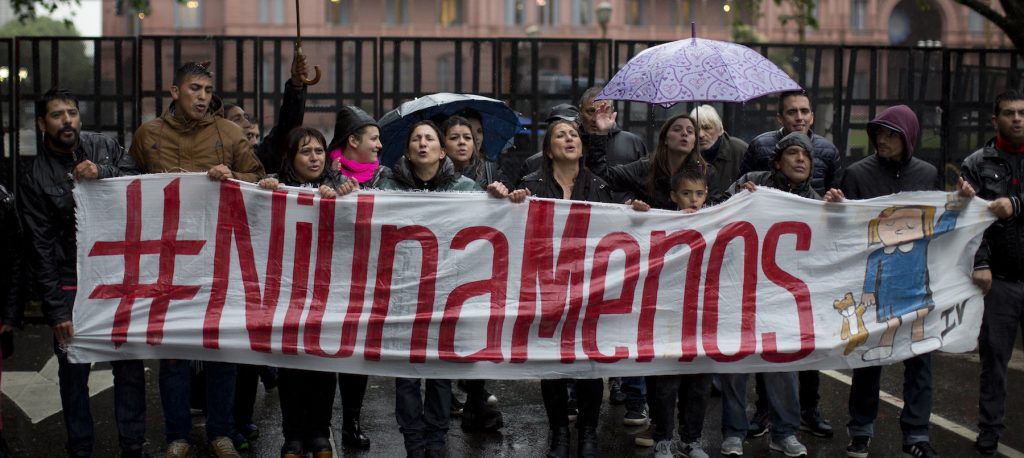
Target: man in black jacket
[(996, 172), (67, 155), (893, 168), (796, 115)]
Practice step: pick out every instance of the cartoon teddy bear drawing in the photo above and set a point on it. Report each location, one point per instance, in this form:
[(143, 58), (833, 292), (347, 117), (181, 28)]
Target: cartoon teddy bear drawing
[(853, 330)]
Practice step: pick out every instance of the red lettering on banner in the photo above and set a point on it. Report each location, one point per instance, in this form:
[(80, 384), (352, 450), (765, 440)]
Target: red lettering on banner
[(300, 288), (660, 246), (390, 237), (539, 266), (300, 280), (360, 268), (496, 287), (233, 224), (321, 280), (795, 286), (597, 305), (748, 311), (132, 248)]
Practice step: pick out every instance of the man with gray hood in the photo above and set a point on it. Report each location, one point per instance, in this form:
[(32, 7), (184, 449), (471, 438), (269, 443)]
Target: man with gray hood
[(892, 169)]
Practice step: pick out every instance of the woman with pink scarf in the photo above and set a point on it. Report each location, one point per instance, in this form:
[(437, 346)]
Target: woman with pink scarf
[(355, 145)]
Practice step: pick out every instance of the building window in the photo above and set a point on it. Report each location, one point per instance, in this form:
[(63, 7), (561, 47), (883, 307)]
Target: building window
[(450, 12), (339, 12), (547, 11), (278, 11), (636, 12), (858, 11), (397, 12), (445, 74), (975, 22), (188, 15), (682, 12), (515, 12), (582, 12)]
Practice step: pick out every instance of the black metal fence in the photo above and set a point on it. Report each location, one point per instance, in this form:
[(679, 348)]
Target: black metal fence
[(124, 81)]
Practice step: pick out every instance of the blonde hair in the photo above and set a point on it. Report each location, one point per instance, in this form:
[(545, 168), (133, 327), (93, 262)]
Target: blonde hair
[(707, 117), (927, 221)]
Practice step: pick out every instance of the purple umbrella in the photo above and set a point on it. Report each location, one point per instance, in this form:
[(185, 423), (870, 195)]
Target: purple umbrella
[(695, 69)]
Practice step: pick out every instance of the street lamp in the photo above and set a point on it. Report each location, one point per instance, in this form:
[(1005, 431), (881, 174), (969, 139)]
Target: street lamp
[(604, 13), (4, 74), (22, 74)]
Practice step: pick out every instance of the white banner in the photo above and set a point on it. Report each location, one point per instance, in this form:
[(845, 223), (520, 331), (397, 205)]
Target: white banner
[(461, 285)]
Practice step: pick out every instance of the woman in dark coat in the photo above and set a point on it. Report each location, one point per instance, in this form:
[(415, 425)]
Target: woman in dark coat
[(307, 397), (563, 176), (354, 148)]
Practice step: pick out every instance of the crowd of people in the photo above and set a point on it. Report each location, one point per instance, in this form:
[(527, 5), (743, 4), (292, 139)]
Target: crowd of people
[(585, 156)]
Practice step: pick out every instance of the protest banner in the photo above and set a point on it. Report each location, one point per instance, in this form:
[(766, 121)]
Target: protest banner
[(463, 285)]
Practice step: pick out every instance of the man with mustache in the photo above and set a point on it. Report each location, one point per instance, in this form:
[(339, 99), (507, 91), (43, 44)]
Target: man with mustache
[(65, 156), (193, 136)]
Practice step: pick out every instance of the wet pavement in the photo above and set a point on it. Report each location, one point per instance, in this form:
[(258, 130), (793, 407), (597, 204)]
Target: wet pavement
[(525, 432)]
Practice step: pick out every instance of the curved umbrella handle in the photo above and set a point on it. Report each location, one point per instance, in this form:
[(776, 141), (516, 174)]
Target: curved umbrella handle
[(310, 82)]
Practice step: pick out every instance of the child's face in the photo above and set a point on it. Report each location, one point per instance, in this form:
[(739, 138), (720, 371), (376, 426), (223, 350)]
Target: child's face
[(690, 195), (902, 226)]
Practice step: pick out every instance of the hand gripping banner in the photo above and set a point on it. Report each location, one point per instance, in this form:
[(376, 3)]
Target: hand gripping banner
[(463, 285)]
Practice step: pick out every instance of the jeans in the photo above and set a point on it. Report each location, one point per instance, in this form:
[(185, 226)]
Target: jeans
[(782, 398), (690, 393), (634, 388), (917, 399), (129, 403), (424, 420), (307, 403), (809, 397), (1004, 314), (589, 394), (175, 393)]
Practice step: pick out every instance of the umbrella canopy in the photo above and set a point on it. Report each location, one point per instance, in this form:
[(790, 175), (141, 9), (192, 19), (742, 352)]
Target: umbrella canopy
[(696, 69), (500, 122)]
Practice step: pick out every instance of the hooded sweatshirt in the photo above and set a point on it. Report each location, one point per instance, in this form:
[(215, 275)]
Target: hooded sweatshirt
[(174, 143), (874, 176)]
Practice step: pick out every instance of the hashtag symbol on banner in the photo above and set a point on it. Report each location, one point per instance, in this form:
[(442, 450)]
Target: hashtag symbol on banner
[(132, 248)]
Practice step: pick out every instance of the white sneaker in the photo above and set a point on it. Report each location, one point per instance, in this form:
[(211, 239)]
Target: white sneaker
[(789, 446), (693, 450), (732, 446), (877, 353), (665, 449), (926, 345)]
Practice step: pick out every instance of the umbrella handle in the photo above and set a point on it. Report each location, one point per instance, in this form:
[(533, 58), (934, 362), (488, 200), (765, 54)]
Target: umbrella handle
[(316, 68)]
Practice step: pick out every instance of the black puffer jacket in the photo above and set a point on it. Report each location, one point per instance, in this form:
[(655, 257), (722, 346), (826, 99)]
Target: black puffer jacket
[(271, 150), (587, 186), (994, 174), (728, 158), (402, 178), (48, 214), (828, 169), (776, 180)]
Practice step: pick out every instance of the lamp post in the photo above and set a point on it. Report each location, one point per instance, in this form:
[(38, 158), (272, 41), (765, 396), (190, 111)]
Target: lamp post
[(604, 13)]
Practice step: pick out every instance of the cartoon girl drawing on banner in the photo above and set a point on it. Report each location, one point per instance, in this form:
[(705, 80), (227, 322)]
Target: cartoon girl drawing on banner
[(896, 281)]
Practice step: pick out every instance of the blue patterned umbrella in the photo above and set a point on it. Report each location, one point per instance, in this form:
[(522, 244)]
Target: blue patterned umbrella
[(500, 122), (697, 70)]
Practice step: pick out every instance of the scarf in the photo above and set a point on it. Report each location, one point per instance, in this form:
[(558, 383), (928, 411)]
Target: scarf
[(361, 171)]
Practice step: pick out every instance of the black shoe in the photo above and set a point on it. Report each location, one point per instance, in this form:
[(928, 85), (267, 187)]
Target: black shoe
[(320, 447), (457, 406), (437, 452), (858, 447), (571, 411), (615, 395), (293, 449), (586, 442), (636, 413), (352, 435), (986, 446), (478, 416), (559, 447), (812, 422), (920, 450), (760, 424)]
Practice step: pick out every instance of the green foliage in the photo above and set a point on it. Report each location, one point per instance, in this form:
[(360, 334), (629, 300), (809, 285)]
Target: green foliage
[(75, 68)]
